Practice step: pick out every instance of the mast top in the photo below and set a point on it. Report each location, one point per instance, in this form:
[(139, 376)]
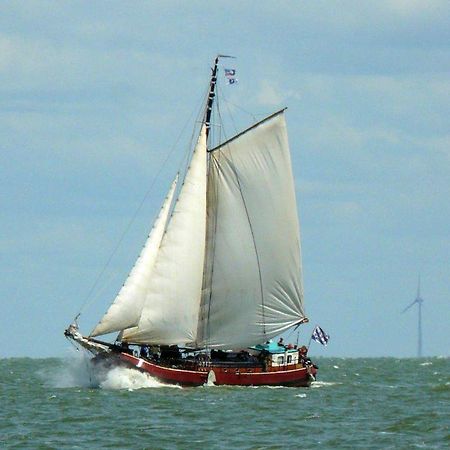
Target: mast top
[(212, 93)]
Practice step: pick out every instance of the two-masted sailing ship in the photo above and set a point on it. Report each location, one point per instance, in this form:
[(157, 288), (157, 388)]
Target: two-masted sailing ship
[(220, 274)]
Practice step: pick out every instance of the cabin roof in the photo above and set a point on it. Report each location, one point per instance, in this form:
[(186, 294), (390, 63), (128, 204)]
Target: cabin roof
[(273, 347)]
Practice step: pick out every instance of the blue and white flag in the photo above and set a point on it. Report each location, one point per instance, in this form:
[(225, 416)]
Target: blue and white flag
[(230, 75), (230, 72), (320, 336)]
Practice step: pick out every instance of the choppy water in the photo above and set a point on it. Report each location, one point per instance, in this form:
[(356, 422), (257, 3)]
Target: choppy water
[(357, 403)]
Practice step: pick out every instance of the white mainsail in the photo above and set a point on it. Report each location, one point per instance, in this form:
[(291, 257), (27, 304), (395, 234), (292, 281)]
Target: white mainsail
[(253, 289), (171, 308), (126, 309)]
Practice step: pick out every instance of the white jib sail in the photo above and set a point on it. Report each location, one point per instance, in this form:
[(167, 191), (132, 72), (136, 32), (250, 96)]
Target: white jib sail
[(170, 312), (127, 306), (253, 264)]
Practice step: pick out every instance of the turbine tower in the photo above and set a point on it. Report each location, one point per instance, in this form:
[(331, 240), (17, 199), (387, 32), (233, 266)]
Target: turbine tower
[(419, 301)]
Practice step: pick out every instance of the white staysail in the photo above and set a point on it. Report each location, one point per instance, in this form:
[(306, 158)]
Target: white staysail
[(253, 286), (170, 312), (127, 306)]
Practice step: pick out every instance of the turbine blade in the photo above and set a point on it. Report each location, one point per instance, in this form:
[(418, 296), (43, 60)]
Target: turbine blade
[(409, 306)]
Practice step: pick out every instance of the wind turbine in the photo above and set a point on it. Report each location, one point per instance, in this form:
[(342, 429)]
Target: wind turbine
[(419, 301)]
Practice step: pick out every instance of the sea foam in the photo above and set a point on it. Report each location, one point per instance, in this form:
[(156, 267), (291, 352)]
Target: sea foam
[(128, 378), (78, 371)]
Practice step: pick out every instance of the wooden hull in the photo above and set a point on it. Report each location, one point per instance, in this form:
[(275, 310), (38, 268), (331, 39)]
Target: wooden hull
[(294, 375)]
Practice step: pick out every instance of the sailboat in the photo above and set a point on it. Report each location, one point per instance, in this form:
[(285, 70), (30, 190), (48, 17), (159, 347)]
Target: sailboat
[(220, 275)]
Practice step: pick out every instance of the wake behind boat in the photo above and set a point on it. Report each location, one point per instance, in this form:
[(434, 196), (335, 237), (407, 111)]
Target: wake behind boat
[(220, 274)]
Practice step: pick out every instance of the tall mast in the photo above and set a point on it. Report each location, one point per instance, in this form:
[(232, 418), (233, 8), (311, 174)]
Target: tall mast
[(210, 223), (212, 94), (210, 228)]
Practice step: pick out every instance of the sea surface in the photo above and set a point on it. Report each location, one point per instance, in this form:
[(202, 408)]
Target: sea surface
[(379, 403)]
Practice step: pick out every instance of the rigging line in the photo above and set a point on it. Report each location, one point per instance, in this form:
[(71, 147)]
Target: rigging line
[(103, 284), (290, 333), (189, 151), (73, 343), (222, 128), (223, 131), (242, 109), (88, 300), (229, 114)]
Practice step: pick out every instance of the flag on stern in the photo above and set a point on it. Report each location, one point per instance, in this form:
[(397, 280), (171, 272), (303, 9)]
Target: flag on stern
[(320, 336)]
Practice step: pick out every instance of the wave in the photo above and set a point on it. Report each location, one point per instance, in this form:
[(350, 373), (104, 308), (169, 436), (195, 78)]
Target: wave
[(130, 379), (319, 384), (78, 371)]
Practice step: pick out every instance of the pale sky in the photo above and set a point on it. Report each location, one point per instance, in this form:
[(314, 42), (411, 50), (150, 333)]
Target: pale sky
[(94, 95)]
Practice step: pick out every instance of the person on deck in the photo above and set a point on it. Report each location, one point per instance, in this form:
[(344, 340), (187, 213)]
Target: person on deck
[(126, 348), (303, 355), (144, 352)]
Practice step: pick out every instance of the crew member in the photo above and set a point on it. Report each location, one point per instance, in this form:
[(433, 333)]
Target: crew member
[(303, 355)]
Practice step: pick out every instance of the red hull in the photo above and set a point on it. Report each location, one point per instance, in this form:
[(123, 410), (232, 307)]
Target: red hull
[(294, 375)]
